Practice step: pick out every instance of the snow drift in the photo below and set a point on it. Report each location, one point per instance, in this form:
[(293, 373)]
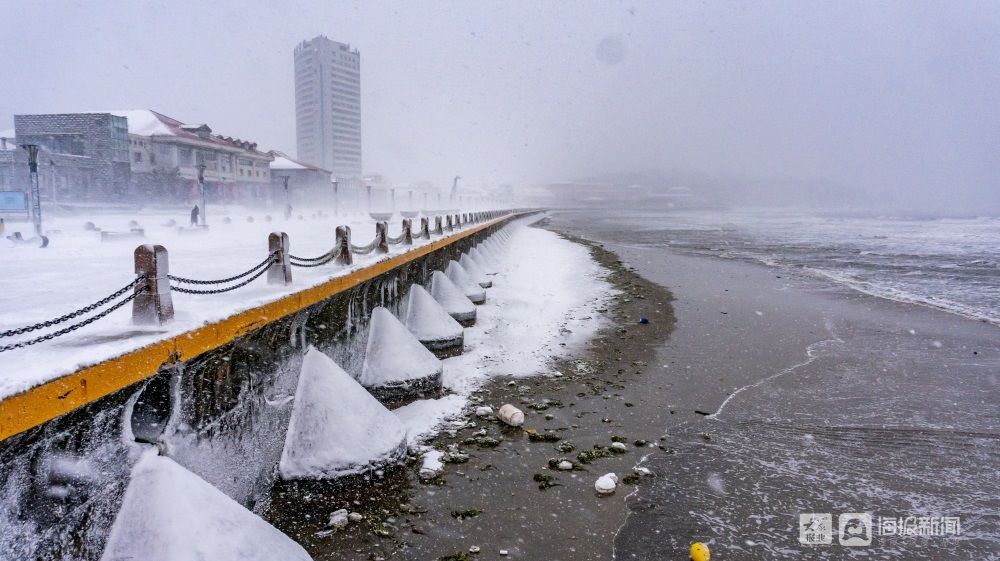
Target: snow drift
[(337, 428), (171, 514)]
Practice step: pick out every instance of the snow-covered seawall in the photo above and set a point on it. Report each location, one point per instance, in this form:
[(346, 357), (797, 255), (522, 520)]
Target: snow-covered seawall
[(224, 415), (542, 306)]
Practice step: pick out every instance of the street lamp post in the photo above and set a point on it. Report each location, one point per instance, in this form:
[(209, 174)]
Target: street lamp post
[(336, 197), (392, 195), (36, 199), (201, 195), (368, 189), (288, 203)]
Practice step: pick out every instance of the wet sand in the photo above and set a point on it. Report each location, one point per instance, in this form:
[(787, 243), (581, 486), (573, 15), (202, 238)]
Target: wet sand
[(833, 402)]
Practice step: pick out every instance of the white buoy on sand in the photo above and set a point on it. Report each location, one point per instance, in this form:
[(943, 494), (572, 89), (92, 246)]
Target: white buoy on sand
[(452, 299), (431, 324), (464, 282), (337, 428), (397, 365), (606, 484), (169, 513), (511, 415)]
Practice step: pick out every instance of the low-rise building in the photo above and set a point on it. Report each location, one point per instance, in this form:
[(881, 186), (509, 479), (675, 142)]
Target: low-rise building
[(165, 155), (131, 156), (307, 184)]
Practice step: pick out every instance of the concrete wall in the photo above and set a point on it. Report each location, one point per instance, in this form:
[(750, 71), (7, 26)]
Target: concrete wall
[(223, 415)]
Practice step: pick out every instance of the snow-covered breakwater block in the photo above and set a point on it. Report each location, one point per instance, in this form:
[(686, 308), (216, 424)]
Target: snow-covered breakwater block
[(484, 264), (337, 428), (397, 365), (169, 513), (432, 325), (469, 287), (452, 299), (474, 271)]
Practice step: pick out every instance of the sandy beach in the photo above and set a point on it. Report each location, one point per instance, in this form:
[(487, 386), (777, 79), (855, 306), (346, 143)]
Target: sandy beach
[(752, 395)]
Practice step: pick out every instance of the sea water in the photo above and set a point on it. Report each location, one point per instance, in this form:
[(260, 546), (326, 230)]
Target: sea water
[(947, 263)]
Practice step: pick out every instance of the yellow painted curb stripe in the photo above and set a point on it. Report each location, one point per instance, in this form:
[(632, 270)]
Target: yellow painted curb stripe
[(45, 402)]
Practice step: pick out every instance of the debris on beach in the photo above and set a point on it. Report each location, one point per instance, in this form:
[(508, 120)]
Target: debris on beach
[(467, 513), (432, 465), (339, 519), (588, 456), (474, 549), (643, 320), (618, 447), (606, 484), (700, 551), (535, 436), (544, 481), (484, 411), (511, 415)]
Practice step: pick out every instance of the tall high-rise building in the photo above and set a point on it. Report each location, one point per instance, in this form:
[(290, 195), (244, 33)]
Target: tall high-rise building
[(328, 106)]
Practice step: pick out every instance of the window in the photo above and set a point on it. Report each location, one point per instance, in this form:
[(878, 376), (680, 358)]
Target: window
[(137, 157)]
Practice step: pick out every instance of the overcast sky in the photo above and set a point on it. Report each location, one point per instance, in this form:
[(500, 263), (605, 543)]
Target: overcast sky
[(891, 98)]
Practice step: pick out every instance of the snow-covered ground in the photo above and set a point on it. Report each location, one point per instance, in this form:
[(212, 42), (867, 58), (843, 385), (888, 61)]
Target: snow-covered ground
[(78, 269), (542, 306)]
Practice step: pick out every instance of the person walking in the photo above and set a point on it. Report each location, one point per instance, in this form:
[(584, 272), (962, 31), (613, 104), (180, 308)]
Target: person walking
[(194, 215)]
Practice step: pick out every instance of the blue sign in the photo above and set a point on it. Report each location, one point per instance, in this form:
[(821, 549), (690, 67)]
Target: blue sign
[(13, 201)]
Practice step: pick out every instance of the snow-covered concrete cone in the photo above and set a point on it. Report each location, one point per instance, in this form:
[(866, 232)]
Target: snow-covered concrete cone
[(337, 428), (475, 273), (152, 304), (280, 270), (511, 415), (425, 228), (452, 299), (169, 513), (481, 260), (397, 366), (469, 287), (431, 324)]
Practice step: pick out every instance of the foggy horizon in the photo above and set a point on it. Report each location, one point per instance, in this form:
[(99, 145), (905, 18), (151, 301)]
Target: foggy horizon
[(893, 103)]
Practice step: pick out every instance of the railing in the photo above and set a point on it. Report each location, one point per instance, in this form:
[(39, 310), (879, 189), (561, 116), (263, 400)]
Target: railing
[(151, 290)]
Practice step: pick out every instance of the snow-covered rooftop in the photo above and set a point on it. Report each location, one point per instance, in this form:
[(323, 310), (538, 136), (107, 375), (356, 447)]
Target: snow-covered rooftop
[(283, 161), (146, 122)]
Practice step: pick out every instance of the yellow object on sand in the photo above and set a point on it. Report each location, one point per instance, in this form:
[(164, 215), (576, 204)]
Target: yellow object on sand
[(700, 552)]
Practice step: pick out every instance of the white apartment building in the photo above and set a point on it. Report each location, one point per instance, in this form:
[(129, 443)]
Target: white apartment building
[(328, 106)]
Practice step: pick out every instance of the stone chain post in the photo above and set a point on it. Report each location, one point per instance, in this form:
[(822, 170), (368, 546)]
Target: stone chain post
[(381, 237), (152, 304), (343, 245), (407, 231), (280, 270)]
